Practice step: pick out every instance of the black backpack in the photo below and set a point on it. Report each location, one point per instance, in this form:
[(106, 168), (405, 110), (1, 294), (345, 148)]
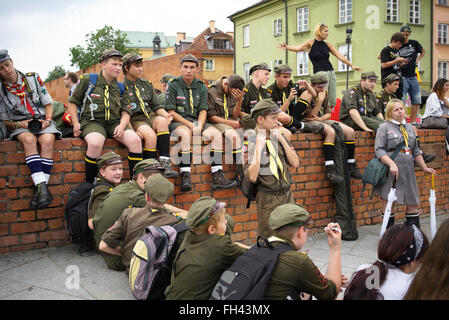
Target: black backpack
[(77, 212), (248, 276)]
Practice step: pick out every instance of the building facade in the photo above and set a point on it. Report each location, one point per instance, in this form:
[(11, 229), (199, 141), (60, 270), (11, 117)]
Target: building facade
[(440, 40)]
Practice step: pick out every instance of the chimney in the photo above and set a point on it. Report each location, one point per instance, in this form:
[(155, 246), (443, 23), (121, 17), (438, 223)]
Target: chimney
[(212, 26), (180, 36)]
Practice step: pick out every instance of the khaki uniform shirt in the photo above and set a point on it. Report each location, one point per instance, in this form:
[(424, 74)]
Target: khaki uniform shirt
[(198, 265), (252, 96), (382, 98), (218, 100), (363, 102), (98, 106), (279, 96), (131, 226), (295, 271), (100, 192), (147, 94), (178, 98)]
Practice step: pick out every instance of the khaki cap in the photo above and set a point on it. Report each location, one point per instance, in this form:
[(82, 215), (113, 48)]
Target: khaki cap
[(236, 82), (108, 158), (167, 77), (290, 214), (391, 77), (369, 74), (283, 68), (159, 188), (319, 78), (260, 66), (264, 107), (131, 57), (110, 53), (202, 210), (147, 164), (191, 58)]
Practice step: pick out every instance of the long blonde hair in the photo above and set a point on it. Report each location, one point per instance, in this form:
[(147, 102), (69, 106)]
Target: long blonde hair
[(319, 28), (389, 108)]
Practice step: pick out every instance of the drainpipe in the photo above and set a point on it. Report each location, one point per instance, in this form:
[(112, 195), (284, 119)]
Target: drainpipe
[(286, 31), (431, 45)]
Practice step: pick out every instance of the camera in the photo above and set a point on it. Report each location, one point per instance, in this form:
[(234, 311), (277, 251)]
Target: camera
[(35, 126), (297, 88)]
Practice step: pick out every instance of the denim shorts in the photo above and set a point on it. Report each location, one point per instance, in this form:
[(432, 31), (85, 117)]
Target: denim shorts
[(412, 87)]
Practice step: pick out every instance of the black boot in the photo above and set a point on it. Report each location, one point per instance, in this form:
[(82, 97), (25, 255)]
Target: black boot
[(44, 198), (332, 175), (220, 182), (33, 203), (186, 181), (169, 172), (413, 218), (354, 171)]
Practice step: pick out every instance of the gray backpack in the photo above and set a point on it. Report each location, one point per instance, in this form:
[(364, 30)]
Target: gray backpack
[(150, 267)]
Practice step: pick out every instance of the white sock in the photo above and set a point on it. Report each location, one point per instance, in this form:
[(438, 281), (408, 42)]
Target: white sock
[(38, 177), (185, 169), (214, 169), (328, 163), (351, 160)]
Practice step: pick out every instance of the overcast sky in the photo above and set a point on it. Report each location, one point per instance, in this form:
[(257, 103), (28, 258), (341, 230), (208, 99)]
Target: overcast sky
[(38, 34)]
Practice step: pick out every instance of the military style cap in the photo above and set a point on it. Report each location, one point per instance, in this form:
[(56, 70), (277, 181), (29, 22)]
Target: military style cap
[(318, 78), (167, 77), (191, 58), (260, 66), (202, 210), (110, 53), (391, 77), (159, 188), (4, 55), (283, 68), (290, 214), (108, 159), (131, 57), (406, 29), (147, 164), (369, 74), (264, 107), (236, 82)]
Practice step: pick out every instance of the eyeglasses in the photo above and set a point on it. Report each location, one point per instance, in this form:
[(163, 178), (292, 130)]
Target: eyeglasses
[(323, 25)]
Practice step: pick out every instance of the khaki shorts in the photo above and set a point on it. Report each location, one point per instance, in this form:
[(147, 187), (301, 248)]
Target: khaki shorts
[(222, 127), (141, 119), (106, 130)]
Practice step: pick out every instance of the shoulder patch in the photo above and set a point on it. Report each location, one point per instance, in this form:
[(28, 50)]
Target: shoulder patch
[(30, 74)]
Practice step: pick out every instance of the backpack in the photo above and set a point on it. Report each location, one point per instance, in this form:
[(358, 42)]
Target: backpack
[(77, 214), (376, 171), (248, 276), (152, 256), (3, 131)]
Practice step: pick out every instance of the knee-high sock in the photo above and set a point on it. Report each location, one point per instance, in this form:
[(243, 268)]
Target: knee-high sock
[(47, 164), (186, 160), (350, 147), (163, 144), (91, 169), (133, 159), (217, 160), (34, 163), (328, 149)]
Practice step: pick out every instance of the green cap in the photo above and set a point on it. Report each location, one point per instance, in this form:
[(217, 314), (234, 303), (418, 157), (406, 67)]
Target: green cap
[(191, 58), (264, 107), (236, 82), (391, 77), (369, 74), (131, 57), (202, 210), (108, 159), (260, 66), (283, 68), (4, 55), (159, 188), (110, 53), (147, 164), (288, 214), (167, 77), (319, 78)]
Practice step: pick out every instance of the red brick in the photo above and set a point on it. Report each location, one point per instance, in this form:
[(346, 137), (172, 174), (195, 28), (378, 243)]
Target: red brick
[(19, 204), (7, 217), (50, 213), (3, 229), (8, 194), (52, 235), (27, 227), (9, 241), (27, 216), (29, 238), (74, 178), (63, 167), (8, 146), (15, 158), (6, 171)]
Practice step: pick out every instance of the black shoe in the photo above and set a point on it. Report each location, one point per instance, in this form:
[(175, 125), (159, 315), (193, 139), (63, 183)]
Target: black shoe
[(186, 181), (44, 198), (312, 127), (292, 129), (354, 171), (219, 181), (428, 158), (169, 172), (33, 202), (332, 175)]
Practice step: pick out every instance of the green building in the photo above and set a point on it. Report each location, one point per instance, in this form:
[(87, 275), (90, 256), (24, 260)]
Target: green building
[(260, 28)]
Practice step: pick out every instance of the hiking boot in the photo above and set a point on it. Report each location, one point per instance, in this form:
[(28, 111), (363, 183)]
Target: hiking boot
[(186, 181), (219, 181), (332, 175), (428, 158), (33, 202), (354, 171), (44, 198), (169, 172), (292, 129), (312, 127)]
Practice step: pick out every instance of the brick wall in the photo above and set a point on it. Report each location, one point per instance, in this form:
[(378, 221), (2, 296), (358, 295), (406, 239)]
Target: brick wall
[(23, 229)]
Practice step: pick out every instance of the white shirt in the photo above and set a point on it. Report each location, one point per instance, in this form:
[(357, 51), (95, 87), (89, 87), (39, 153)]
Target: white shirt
[(434, 107)]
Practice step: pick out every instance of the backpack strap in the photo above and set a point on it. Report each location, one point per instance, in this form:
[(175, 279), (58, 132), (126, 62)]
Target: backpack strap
[(121, 87), (180, 227), (93, 77)]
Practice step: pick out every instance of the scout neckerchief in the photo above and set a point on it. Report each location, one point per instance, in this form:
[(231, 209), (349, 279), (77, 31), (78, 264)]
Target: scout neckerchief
[(364, 102), (404, 134), (191, 99), (107, 113), (274, 159), (20, 91), (142, 104), (283, 101), (225, 106)]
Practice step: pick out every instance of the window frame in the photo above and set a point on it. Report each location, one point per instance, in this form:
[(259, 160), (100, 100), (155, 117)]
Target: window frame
[(389, 17), (343, 16), (246, 36), (302, 57), (412, 15), (277, 27), (206, 61), (440, 72), (443, 35), (304, 25), (342, 66)]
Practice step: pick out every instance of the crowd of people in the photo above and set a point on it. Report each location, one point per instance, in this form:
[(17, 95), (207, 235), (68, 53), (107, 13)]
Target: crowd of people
[(256, 123)]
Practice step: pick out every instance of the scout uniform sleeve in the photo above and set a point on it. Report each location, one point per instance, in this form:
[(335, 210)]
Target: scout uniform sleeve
[(212, 105), (231, 252), (114, 235), (77, 96), (203, 98), (44, 96), (245, 104), (155, 100), (124, 104), (98, 196), (380, 144), (170, 99), (326, 107), (352, 98)]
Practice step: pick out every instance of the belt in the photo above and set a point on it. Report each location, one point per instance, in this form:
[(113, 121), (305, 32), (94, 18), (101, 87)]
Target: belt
[(276, 192)]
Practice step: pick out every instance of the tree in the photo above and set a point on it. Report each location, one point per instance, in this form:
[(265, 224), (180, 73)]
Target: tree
[(57, 72), (96, 44)]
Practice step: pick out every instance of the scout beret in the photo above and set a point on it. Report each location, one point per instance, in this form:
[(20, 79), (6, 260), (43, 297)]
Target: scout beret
[(406, 29), (159, 188), (391, 77), (147, 164), (236, 82), (202, 210), (264, 107), (290, 214), (191, 58), (131, 57), (369, 74), (167, 77), (260, 66), (4, 55), (108, 159), (110, 53), (283, 68), (318, 78)]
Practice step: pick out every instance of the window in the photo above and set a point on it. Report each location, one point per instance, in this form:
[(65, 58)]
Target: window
[(443, 69), (442, 33), (210, 64), (345, 11), (302, 19), (246, 68), (277, 27), (415, 11), (302, 63), (443, 2), (274, 64), (221, 44), (393, 10), (245, 36), (343, 49)]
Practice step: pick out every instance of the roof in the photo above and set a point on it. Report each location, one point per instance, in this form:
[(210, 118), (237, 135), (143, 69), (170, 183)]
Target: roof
[(204, 42), (142, 39), (250, 7)]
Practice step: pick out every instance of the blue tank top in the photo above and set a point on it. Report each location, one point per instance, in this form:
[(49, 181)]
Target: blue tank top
[(319, 55)]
